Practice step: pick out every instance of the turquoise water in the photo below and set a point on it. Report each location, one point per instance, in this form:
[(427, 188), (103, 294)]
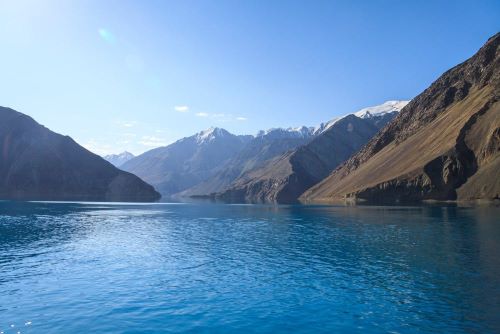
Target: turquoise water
[(104, 268)]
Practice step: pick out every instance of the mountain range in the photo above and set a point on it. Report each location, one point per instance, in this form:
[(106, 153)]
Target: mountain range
[(192, 162), (216, 163), (259, 149), (188, 161), (442, 145), (284, 177)]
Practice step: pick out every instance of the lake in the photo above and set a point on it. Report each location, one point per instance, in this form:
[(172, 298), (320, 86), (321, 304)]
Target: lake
[(159, 268)]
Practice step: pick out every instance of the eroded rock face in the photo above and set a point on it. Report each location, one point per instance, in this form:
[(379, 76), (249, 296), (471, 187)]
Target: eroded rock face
[(442, 146), (38, 164)]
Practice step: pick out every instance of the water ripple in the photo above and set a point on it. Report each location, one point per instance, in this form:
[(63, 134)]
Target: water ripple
[(86, 267)]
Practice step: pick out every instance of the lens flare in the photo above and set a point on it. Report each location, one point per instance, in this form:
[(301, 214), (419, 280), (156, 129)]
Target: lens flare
[(106, 35)]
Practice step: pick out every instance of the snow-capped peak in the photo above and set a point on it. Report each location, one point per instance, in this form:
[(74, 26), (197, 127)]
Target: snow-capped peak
[(302, 130), (382, 109), (119, 159), (210, 134), (379, 110), (325, 126), (298, 132)]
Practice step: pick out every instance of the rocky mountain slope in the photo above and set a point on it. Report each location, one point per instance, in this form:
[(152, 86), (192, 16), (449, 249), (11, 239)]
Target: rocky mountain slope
[(444, 145), (263, 147), (284, 178), (38, 164), (188, 161), (119, 159)]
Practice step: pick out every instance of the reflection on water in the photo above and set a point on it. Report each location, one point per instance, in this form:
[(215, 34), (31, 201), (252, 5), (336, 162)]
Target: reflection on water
[(87, 267)]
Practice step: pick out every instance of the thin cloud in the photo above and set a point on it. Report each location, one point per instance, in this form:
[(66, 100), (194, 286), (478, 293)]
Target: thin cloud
[(127, 124), (152, 141), (220, 117), (181, 108)]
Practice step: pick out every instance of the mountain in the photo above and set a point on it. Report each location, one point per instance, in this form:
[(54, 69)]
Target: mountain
[(387, 107), (281, 133), (38, 164), (285, 177), (444, 145), (265, 145), (188, 161), (119, 159)]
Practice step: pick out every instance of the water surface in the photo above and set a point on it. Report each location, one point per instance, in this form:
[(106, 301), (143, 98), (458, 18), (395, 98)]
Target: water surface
[(110, 268)]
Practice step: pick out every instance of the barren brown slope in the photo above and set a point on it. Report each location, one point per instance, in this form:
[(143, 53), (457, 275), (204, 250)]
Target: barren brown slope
[(443, 145)]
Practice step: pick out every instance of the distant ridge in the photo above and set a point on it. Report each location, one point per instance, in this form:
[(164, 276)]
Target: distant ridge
[(119, 159), (262, 147), (188, 161)]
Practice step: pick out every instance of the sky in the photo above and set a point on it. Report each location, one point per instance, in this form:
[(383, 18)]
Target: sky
[(134, 75)]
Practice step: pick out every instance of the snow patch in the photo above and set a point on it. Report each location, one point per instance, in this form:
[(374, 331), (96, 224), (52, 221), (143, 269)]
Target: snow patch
[(374, 111), (298, 132), (210, 134), (382, 109), (325, 126), (119, 159)]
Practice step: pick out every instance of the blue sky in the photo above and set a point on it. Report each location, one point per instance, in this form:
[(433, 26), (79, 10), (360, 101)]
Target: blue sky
[(132, 75)]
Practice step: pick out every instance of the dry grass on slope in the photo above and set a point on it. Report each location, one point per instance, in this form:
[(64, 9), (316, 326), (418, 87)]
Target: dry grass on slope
[(407, 159)]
